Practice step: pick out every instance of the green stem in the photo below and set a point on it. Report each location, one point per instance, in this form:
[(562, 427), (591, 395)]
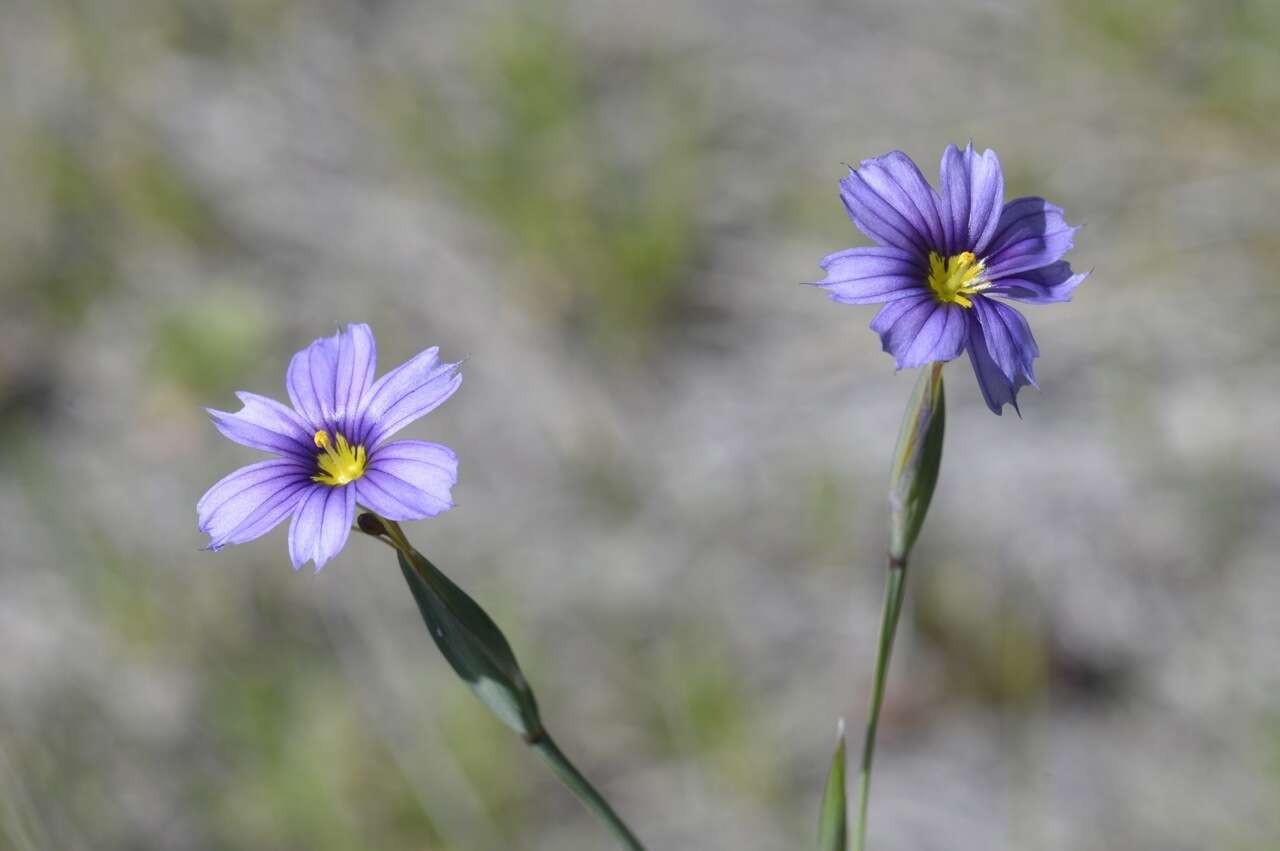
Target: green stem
[(587, 794), (391, 534), (895, 590), (914, 474)]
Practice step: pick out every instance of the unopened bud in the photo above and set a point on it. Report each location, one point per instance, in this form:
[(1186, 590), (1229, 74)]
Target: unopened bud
[(371, 524)]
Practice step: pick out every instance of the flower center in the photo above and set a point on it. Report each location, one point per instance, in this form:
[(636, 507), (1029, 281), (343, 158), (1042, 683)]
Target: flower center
[(957, 277), (339, 462)]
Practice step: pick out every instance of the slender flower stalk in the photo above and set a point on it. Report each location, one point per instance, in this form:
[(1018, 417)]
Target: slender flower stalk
[(895, 590), (915, 473), (587, 794)]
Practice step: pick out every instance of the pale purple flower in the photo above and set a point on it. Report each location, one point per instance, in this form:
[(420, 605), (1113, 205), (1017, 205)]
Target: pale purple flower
[(940, 258), (332, 449)]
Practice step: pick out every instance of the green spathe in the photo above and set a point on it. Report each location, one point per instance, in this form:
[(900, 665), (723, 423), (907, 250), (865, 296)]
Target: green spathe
[(478, 652), (473, 645), (916, 461)]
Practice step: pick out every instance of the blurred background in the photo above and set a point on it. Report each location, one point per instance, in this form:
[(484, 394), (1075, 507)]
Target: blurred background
[(674, 457)]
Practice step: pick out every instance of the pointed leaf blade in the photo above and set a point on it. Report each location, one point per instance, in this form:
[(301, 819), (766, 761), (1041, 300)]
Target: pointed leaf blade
[(833, 823)]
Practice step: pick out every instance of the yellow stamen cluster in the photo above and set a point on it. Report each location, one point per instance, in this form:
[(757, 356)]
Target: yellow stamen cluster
[(340, 463), (957, 277)]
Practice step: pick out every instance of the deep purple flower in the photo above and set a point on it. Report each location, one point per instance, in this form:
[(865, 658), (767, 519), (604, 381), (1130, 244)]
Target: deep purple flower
[(332, 449), (941, 255)]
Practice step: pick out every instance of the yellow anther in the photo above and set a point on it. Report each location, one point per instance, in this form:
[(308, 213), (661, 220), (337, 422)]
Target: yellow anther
[(955, 278), (340, 463)]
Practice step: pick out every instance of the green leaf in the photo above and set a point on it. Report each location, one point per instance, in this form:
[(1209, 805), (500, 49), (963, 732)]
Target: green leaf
[(916, 461), (474, 646), (833, 830)]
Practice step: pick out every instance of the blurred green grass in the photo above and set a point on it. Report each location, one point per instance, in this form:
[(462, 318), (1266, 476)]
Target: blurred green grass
[(1224, 55), (592, 174)]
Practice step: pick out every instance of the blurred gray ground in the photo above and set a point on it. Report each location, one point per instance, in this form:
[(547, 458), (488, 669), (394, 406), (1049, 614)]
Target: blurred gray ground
[(673, 457)]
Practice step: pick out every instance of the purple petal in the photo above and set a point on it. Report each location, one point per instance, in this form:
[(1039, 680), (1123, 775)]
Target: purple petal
[(894, 310), (409, 480), (972, 189), (872, 275), (1046, 285), (1008, 338), (251, 501), (882, 208), (267, 425), (310, 371), (897, 179), (997, 390), (941, 338), (1032, 234), (327, 380), (321, 524), (929, 330), (406, 393), (357, 361)]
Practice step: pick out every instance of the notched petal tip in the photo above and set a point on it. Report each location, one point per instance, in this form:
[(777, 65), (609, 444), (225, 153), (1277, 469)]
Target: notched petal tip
[(264, 424), (1052, 284), (872, 275), (250, 502), (880, 207), (1005, 369), (1032, 234), (893, 156), (409, 480), (327, 381), (407, 393)]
